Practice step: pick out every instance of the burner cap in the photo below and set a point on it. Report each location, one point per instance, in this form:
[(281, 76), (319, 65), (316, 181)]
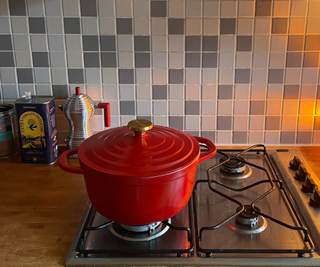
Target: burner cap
[(233, 166), (248, 217)]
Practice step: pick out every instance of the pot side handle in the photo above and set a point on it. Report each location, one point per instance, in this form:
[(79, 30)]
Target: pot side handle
[(64, 164), (211, 146)]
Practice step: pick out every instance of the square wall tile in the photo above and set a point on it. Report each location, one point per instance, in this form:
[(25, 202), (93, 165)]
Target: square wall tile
[(208, 123), (240, 122), (244, 43), (159, 26), (224, 122), (304, 137), (242, 76), (263, 8), (272, 122), (209, 43), (272, 137), (25, 76), (241, 107), (126, 77), (312, 42), (290, 107), (37, 25), (225, 91), (88, 8), (287, 137), (294, 59), (279, 26), (176, 122), (175, 26), (240, 137), (257, 107), (226, 60), (225, 107), (257, 122), (297, 25), (275, 76), (274, 107), (18, 25), (158, 8), (224, 137), (127, 107), (210, 27), (208, 107), (245, 26), (256, 137), (193, 26), (192, 108), (124, 25), (311, 60), (228, 26), (159, 92), (192, 92), (192, 60), (226, 76), (176, 76), (143, 76)]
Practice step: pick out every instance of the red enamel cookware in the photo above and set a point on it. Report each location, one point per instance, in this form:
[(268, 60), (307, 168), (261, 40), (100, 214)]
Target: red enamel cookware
[(141, 173)]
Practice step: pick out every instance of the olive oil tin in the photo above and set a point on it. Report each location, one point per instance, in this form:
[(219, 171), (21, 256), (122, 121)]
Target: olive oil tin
[(36, 118)]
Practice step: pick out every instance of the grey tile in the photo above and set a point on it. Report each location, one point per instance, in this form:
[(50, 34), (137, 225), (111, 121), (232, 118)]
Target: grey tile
[(21, 42), (244, 43), (40, 59), (127, 108), (91, 60), (176, 26), (22, 88), (56, 42), (126, 76), (224, 122), (175, 76), (23, 59), (295, 42), (312, 43), (53, 8), (88, 8), (227, 26), (71, 25), (148, 118), (263, 8), (159, 92), (279, 26), (54, 25), (225, 91), (158, 8), (37, 25), (193, 133), (304, 137), (192, 60), (318, 90), (272, 122), (60, 91), (209, 60), (10, 91), (5, 42), (193, 43), (291, 92), (8, 75), (257, 107), (192, 107), (108, 43), (90, 43), (239, 137), (17, 7), (142, 43), (294, 59), (287, 137), (142, 60), (42, 75), (176, 122), (75, 76), (58, 59), (124, 26), (19, 25), (108, 60), (209, 43), (4, 25), (311, 59), (275, 76), (211, 135), (25, 75), (242, 76)]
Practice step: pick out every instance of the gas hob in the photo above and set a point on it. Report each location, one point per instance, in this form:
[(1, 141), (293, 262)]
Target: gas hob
[(247, 208)]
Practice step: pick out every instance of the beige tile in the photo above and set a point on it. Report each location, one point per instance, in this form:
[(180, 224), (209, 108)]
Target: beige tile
[(298, 8), (297, 26), (289, 122), (193, 26), (281, 8)]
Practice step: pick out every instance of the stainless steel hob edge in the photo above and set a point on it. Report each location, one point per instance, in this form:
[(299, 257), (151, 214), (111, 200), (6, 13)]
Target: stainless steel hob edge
[(73, 260)]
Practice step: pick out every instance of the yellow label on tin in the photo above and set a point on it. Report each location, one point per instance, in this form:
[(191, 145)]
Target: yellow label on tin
[(32, 130)]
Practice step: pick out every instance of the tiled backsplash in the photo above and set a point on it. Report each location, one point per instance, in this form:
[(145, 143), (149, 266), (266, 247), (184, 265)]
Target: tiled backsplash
[(236, 72)]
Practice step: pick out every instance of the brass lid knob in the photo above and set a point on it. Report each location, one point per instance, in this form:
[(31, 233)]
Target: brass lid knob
[(139, 126)]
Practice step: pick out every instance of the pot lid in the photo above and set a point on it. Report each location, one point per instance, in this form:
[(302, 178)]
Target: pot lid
[(139, 150)]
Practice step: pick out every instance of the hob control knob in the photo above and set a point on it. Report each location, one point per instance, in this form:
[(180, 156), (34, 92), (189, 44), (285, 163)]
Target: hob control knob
[(302, 174), (315, 199), (295, 163), (309, 186)]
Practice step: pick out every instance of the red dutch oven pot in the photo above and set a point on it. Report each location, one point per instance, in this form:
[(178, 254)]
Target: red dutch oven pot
[(141, 173)]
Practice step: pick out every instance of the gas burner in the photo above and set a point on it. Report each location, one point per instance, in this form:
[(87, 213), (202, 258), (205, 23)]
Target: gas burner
[(248, 222), (233, 166), (139, 233)]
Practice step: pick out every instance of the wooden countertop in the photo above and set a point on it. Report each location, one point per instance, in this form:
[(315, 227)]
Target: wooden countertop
[(41, 207)]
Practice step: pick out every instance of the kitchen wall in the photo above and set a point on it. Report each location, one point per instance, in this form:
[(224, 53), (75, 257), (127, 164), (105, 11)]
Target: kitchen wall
[(237, 72)]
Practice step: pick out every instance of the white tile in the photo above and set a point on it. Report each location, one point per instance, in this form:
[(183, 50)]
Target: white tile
[(43, 89), (208, 107), (125, 60), (159, 26), (110, 91), (226, 60), (176, 91), (209, 92), (114, 106), (176, 107), (8, 75), (209, 76), (281, 8), (75, 59), (159, 76), (107, 26), (277, 60), (211, 8), (141, 26), (256, 137), (125, 119), (71, 8), (279, 43), (309, 76), (227, 43), (143, 92), (228, 9), (193, 27), (193, 92), (159, 43), (192, 76), (275, 91), (259, 76), (143, 76), (56, 42), (243, 59), (272, 137), (95, 92), (161, 120), (289, 123), (210, 26), (241, 107), (21, 42), (54, 25), (42, 75), (159, 60), (176, 9), (141, 8), (73, 42), (208, 122), (224, 137), (192, 122), (23, 59), (313, 25), (53, 7), (261, 43), (225, 107), (226, 76), (176, 60), (123, 8), (38, 42), (290, 107), (59, 76), (127, 92), (97, 122), (193, 8), (256, 123), (106, 8), (92, 76), (240, 122), (260, 59), (109, 76), (293, 76), (19, 25), (258, 92), (160, 107), (241, 91), (143, 107), (89, 26), (125, 43)]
